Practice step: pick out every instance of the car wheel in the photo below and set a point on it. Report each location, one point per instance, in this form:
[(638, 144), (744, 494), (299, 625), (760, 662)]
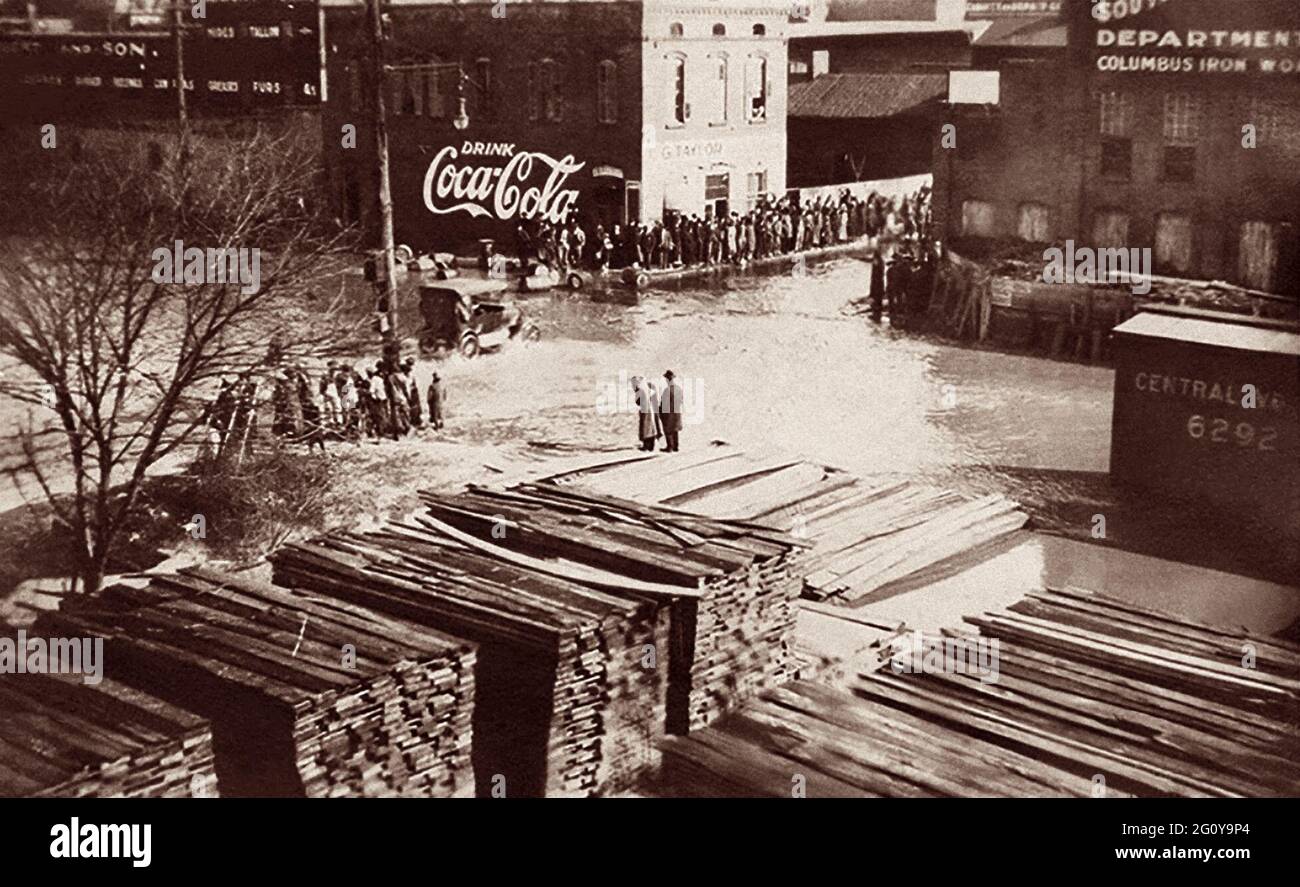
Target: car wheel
[(531, 333), (469, 346), (574, 280)]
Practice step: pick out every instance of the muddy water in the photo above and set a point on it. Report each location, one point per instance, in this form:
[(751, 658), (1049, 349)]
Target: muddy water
[(777, 362)]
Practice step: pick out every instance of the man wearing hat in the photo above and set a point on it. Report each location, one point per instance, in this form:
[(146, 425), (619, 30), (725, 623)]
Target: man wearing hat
[(436, 396), (670, 411)]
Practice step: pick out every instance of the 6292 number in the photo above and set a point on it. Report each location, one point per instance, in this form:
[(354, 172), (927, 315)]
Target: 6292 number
[(1221, 431)]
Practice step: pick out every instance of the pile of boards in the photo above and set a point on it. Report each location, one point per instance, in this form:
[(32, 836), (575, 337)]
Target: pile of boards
[(732, 586), (865, 536), (1092, 696), (61, 737), (305, 696), (600, 624)]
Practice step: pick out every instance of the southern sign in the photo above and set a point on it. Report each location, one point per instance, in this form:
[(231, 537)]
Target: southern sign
[(498, 180), (1208, 37)]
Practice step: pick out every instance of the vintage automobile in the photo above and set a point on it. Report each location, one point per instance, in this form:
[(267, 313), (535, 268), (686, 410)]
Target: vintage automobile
[(469, 316), (541, 276)]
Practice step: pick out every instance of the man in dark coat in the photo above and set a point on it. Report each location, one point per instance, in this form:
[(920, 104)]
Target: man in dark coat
[(877, 286), (415, 407), (436, 397), (670, 412)]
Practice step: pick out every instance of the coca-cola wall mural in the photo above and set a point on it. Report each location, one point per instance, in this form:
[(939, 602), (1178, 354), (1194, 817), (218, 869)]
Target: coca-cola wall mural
[(447, 195)]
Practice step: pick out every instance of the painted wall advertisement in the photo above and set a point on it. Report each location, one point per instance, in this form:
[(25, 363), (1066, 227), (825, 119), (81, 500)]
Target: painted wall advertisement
[(1207, 37), (259, 52), (452, 193)]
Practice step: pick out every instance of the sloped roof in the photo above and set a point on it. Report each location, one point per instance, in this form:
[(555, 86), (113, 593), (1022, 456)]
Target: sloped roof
[(1044, 31), (880, 10), (864, 94)]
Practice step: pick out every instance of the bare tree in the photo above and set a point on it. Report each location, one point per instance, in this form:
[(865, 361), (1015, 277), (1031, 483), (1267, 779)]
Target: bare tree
[(125, 352)]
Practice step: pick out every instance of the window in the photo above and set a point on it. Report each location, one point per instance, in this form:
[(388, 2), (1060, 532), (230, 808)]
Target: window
[(977, 218), (535, 91), (607, 92), (676, 30), (718, 70), (1115, 114), (1257, 255), (1182, 132), (486, 99), (1173, 243), (719, 30), (1110, 230), (1277, 125), (552, 91), (1033, 223), (760, 30), (680, 109), (756, 187), (415, 92), (435, 105), (756, 88), (545, 101)]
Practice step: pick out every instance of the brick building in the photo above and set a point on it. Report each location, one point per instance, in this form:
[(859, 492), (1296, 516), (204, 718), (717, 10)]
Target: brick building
[(243, 58), (617, 109), (1175, 128)]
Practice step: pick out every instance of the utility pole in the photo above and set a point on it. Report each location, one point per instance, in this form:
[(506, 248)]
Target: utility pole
[(182, 109), (392, 343)]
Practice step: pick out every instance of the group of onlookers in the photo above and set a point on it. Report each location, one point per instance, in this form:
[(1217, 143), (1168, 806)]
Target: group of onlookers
[(772, 228), (346, 402)]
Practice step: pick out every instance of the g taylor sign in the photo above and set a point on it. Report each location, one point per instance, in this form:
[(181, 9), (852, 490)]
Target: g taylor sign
[(500, 191)]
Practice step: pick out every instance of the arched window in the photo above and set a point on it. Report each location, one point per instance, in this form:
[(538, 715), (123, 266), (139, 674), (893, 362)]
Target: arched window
[(719, 30), (719, 91), (680, 109), (760, 30), (676, 30), (607, 92), (756, 88), (546, 99)]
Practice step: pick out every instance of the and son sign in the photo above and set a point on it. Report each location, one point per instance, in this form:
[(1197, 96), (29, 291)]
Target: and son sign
[(502, 192)]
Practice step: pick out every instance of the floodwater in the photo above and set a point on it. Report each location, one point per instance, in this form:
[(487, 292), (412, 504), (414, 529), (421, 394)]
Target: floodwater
[(777, 362), (782, 362)]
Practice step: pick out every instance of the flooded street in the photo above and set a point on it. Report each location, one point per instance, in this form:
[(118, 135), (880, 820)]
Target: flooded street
[(776, 362), (779, 363)]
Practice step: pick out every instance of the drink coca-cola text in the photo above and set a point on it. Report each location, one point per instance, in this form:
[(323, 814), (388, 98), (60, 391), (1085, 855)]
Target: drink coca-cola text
[(500, 191)]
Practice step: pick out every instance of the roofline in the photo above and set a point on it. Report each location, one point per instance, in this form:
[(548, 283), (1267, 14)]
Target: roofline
[(806, 30)]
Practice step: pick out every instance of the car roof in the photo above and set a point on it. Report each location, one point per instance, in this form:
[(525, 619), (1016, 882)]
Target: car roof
[(472, 286)]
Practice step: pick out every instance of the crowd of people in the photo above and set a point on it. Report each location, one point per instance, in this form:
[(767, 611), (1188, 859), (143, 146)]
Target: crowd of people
[(346, 402), (772, 228)]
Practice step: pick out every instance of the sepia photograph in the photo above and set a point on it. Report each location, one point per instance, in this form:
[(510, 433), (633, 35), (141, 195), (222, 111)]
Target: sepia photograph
[(649, 399)]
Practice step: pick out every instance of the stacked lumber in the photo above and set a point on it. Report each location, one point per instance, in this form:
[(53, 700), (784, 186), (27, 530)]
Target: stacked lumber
[(566, 701), (1090, 695), (60, 737), (305, 697), (866, 536), (824, 742), (732, 586)]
